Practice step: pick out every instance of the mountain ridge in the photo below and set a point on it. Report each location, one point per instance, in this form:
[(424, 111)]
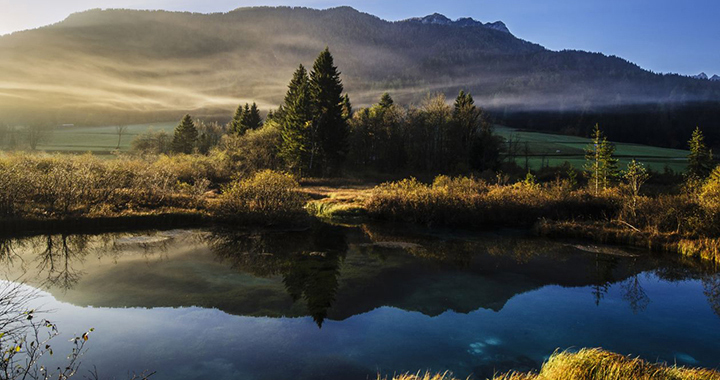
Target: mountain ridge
[(100, 65)]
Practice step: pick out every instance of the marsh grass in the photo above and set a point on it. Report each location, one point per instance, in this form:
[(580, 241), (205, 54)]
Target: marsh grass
[(470, 202), (594, 364)]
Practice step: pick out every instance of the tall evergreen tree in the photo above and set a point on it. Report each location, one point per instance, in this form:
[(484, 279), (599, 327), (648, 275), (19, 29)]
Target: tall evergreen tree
[(601, 165), (236, 125), (347, 107), (296, 123), (386, 101), (253, 118), (700, 159), (186, 136), (330, 128)]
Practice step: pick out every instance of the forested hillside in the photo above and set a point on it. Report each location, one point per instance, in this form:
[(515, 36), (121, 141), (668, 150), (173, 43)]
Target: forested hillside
[(118, 66)]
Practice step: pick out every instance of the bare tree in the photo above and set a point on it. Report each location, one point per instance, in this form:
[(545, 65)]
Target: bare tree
[(36, 134), (120, 130)]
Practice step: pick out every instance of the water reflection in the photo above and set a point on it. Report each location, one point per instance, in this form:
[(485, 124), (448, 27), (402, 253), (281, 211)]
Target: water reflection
[(309, 262), (386, 300), (328, 271)]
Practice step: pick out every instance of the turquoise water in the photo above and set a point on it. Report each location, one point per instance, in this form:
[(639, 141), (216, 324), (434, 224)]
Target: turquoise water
[(352, 303)]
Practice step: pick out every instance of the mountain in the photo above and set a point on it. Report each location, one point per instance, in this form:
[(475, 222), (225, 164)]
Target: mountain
[(438, 19), (715, 78), (101, 66), (700, 76)]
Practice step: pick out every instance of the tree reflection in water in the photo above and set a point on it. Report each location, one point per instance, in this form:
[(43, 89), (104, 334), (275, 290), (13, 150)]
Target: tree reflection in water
[(711, 285), (309, 262)]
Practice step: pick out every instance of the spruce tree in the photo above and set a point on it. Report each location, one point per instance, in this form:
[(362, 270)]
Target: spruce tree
[(186, 136), (700, 160), (330, 129), (386, 101), (254, 120), (601, 165), (296, 123), (347, 107), (236, 125)]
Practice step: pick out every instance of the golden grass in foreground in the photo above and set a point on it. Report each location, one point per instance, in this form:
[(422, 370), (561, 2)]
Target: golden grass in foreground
[(595, 364)]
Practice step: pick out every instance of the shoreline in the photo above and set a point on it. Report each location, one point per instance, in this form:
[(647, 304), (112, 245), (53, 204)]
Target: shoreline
[(705, 249)]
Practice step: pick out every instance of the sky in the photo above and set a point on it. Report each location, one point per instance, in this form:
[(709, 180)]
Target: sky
[(670, 36)]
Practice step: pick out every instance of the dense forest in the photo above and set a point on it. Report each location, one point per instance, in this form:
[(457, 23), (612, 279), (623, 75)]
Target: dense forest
[(118, 66)]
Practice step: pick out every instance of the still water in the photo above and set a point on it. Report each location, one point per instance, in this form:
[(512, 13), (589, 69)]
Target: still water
[(353, 302)]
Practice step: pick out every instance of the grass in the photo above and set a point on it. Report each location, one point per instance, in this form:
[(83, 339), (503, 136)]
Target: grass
[(594, 364), (554, 150), (99, 140)]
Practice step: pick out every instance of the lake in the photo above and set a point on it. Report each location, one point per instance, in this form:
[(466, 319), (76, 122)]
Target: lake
[(334, 302)]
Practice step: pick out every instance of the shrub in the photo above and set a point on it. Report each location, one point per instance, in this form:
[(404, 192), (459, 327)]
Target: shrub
[(267, 196)]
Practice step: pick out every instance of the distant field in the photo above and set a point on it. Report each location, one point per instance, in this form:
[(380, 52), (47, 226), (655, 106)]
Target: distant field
[(543, 148), (554, 150), (98, 140)]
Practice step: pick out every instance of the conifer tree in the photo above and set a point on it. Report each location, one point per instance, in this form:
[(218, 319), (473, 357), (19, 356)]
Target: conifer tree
[(186, 136), (386, 101), (330, 129), (700, 160), (296, 123), (347, 110), (601, 166), (236, 125), (253, 118)]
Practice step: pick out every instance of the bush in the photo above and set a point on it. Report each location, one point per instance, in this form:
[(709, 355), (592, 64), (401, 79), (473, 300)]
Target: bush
[(267, 196)]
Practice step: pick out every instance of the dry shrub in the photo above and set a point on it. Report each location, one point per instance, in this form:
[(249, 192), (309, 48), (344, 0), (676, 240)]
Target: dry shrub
[(268, 196)]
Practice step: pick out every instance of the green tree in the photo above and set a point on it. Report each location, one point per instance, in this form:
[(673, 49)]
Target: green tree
[(253, 120), (475, 141), (700, 159), (386, 101), (296, 123), (236, 125), (347, 107), (601, 165), (329, 128), (185, 136)]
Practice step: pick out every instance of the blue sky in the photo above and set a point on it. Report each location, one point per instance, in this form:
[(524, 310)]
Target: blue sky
[(680, 36)]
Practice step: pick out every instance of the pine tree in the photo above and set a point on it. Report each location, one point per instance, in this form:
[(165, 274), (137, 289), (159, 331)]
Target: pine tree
[(253, 118), (386, 101), (329, 128), (601, 166), (236, 125), (700, 160), (296, 123), (186, 136), (347, 110)]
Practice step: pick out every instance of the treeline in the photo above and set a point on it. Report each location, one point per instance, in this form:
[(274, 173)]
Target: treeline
[(659, 124), (315, 132)]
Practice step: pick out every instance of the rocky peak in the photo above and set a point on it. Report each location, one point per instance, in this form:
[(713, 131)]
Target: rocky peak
[(439, 19)]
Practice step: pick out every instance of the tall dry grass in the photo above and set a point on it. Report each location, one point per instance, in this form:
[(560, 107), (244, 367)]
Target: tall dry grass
[(471, 202), (594, 364)]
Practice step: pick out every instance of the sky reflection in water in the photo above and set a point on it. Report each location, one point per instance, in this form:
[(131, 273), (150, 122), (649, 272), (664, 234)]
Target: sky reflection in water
[(353, 302)]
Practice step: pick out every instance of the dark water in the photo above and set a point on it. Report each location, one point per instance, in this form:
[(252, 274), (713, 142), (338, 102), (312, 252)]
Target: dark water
[(335, 302)]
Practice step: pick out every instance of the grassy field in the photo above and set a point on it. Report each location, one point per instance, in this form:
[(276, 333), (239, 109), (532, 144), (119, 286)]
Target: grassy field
[(543, 149), (98, 140), (546, 149)]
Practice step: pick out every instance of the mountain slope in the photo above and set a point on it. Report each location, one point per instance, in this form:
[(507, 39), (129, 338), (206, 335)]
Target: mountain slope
[(101, 66)]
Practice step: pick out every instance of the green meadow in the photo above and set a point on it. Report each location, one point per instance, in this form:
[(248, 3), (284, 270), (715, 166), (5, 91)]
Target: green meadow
[(98, 140), (544, 149)]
